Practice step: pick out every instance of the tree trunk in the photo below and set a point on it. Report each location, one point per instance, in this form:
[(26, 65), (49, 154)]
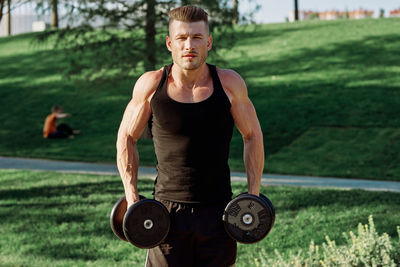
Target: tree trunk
[(8, 17), (236, 11), (54, 14), (1, 9), (296, 10), (150, 62)]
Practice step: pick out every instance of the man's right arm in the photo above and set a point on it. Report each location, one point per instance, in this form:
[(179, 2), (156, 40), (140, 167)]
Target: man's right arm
[(135, 118)]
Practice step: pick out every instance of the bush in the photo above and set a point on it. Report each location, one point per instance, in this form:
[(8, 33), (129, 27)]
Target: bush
[(367, 248)]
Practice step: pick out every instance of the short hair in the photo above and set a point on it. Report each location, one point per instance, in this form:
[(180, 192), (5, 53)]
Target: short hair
[(56, 108), (188, 14)]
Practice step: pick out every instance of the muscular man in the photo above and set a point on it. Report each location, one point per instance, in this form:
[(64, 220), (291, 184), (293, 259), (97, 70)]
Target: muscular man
[(191, 108)]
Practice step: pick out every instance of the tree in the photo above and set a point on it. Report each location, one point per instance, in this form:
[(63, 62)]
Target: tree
[(150, 27), (45, 6), (9, 17), (236, 11), (1, 8), (381, 13), (115, 37), (296, 10), (54, 14)]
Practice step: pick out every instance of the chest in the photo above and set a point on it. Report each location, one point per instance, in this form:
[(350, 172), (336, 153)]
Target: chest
[(171, 117), (190, 95)]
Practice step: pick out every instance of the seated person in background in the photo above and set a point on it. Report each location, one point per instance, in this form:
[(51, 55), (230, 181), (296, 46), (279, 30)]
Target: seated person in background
[(51, 130)]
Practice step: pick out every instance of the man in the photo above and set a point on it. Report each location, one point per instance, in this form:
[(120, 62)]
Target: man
[(52, 130), (191, 108)]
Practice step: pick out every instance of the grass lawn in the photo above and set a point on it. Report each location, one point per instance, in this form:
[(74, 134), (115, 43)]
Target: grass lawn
[(53, 219), (326, 93)]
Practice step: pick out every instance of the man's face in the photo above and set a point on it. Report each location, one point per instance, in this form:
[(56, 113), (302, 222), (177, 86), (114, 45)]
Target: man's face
[(189, 43)]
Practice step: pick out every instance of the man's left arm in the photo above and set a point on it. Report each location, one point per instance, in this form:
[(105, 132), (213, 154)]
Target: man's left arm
[(62, 115), (245, 117)]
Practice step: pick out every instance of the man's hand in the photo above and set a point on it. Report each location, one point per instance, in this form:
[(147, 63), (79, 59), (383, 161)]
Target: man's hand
[(254, 192), (132, 200)]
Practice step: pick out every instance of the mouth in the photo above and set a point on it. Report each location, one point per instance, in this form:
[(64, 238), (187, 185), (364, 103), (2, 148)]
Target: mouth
[(189, 56)]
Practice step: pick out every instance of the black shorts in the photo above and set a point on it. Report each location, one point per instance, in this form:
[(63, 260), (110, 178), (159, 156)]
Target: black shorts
[(196, 238)]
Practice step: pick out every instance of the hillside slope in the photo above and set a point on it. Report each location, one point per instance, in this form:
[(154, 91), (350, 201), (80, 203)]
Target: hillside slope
[(327, 95)]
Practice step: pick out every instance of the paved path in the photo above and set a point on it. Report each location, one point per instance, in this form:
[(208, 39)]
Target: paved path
[(149, 172)]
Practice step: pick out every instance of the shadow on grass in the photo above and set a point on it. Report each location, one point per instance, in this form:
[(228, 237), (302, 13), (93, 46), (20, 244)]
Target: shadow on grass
[(369, 51), (64, 221), (333, 202), (287, 198), (82, 190), (362, 99), (72, 221)]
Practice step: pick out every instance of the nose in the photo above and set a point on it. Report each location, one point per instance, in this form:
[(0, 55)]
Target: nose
[(188, 44)]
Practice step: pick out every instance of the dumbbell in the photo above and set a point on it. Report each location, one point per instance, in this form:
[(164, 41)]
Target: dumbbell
[(249, 218), (145, 224)]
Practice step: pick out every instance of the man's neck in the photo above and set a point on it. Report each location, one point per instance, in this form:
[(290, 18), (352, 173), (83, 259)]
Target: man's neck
[(189, 79)]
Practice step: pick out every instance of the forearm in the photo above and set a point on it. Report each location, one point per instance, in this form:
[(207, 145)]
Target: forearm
[(254, 162), (128, 164), (62, 115)]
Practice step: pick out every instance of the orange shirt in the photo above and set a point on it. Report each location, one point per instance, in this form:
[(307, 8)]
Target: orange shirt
[(50, 125)]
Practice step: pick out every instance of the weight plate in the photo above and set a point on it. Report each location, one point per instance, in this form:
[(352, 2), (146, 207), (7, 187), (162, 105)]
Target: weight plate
[(269, 203), (247, 218), (146, 223), (117, 217)]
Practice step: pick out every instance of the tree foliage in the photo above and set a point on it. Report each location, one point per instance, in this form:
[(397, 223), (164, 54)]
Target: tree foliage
[(111, 39)]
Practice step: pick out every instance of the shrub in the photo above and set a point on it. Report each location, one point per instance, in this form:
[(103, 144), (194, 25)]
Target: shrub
[(366, 248)]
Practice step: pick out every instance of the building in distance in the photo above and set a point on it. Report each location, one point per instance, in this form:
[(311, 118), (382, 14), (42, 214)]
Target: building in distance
[(332, 14), (394, 13)]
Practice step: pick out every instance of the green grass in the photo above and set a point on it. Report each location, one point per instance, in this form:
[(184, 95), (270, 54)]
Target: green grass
[(53, 219), (326, 93)]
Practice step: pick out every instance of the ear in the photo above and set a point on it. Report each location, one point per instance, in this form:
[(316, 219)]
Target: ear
[(168, 43), (209, 42)]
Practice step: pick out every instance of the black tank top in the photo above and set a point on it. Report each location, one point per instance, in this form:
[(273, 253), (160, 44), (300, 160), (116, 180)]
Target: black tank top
[(191, 142)]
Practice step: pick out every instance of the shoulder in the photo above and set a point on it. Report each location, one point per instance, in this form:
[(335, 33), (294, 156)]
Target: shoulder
[(233, 84), (51, 116), (147, 84)]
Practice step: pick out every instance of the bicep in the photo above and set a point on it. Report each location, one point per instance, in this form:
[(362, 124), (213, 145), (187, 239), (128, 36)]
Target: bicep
[(242, 109)]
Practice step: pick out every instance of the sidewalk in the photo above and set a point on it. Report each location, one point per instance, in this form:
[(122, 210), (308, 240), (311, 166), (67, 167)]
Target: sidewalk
[(149, 172)]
